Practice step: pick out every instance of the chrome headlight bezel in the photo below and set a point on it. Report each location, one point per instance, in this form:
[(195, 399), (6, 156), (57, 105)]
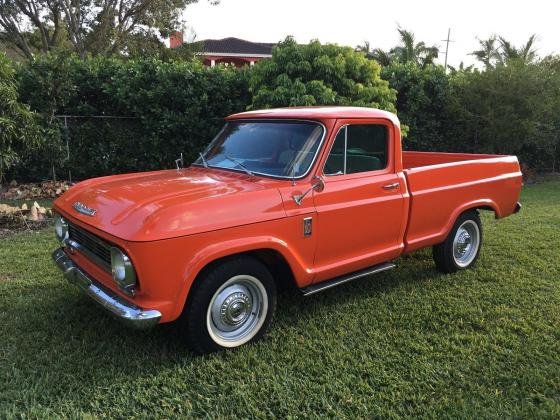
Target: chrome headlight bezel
[(60, 228), (122, 270)]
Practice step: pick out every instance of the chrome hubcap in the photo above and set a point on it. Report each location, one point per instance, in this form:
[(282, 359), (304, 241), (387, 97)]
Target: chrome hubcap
[(466, 243), (237, 311)]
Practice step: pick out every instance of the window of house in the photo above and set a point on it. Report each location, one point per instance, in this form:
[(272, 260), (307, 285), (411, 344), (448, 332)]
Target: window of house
[(358, 148)]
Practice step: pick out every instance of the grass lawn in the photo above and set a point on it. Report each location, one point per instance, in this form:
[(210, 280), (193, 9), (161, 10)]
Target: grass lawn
[(408, 342)]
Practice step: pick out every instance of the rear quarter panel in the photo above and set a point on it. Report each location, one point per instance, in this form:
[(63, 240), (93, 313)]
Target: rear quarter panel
[(441, 192)]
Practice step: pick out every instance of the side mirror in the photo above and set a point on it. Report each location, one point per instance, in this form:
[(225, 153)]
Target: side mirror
[(317, 184), (180, 162)]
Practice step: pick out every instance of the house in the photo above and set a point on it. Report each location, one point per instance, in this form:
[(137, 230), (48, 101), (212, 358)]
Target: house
[(234, 51)]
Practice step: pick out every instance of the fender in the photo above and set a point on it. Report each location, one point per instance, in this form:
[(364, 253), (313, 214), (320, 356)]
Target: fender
[(303, 275), (438, 237)]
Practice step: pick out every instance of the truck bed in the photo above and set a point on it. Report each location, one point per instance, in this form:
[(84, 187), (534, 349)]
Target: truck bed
[(443, 185)]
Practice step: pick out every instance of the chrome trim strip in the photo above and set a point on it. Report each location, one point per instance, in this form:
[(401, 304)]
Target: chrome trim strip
[(73, 245), (319, 287), (345, 126), (320, 145), (130, 314)]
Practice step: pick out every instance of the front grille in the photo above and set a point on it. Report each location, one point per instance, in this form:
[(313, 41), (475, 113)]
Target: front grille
[(92, 246)]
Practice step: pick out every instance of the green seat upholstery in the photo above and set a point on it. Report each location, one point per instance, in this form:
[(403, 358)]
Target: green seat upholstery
[(362, 163)]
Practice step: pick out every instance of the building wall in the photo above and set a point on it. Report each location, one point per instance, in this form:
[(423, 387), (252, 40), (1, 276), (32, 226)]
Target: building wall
[(211, 60)]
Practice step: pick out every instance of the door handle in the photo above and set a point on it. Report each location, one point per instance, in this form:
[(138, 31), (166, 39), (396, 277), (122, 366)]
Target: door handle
[(393, 186)]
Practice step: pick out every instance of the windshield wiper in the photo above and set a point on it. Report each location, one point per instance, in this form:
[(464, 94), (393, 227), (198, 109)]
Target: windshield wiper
[(234, 160), (204, 163)]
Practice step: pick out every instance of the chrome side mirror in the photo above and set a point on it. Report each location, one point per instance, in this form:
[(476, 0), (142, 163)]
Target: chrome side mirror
[(180, 162), (317, 184)]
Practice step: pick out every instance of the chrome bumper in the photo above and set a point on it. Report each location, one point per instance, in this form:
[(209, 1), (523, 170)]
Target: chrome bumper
[(124, 311)]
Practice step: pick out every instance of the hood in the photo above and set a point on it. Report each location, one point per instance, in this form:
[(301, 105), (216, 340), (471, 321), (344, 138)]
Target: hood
[(165, 204)]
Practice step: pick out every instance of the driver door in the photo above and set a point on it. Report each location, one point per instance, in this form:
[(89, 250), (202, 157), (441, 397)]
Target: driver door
[(360, 212)]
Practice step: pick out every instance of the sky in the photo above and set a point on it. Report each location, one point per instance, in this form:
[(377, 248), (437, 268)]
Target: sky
[(351, 22)]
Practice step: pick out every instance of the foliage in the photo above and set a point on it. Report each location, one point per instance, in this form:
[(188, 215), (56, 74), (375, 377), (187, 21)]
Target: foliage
[(19, 127), (497, 50), (406, 343), (423, 101), (407, 51), (130, 115), (509, 110), (317, 74), (148, 110), (101, 27)]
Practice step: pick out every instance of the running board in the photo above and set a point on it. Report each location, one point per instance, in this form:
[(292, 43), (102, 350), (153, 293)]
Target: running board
[(324, 285)]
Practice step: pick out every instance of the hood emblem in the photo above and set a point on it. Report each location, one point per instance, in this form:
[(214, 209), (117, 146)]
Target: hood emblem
[(82, 208)]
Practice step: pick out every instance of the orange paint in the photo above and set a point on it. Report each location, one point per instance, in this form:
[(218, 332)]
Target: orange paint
[(173, 223)]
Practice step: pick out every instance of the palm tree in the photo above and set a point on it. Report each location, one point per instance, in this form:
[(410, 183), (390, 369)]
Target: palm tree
[(381, 56), (378, 54), (488, 54), (461, 68), (525, 54), (498, 50), (411, 51)]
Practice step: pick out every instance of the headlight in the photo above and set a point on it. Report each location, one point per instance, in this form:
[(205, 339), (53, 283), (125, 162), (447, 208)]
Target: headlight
[(60, 228), (122, 270)]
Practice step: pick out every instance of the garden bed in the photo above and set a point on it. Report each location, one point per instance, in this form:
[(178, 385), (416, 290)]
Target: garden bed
[(28, 206)]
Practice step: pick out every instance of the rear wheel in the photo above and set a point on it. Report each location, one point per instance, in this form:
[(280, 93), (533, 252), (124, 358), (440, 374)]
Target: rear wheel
[(461, 248), (233, 304)]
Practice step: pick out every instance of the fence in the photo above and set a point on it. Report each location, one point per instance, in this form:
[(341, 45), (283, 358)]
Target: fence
[(98, 145)]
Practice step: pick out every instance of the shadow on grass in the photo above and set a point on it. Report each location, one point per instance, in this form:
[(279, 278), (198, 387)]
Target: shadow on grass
[(69, 322)]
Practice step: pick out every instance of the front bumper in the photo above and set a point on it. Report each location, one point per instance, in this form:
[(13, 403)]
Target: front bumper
[(130, 314)]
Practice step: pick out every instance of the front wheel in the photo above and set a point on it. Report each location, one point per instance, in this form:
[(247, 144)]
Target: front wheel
[(461, 248), (233, 304)]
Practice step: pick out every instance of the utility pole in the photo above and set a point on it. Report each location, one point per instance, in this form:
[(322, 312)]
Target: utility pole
[(447, 41)]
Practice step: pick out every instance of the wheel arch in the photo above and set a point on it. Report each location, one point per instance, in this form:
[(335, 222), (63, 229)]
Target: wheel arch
[(444, 229), (486, 204), (282, 265)]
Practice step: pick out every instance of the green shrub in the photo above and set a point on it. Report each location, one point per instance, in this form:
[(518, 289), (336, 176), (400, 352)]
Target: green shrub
[(423, 103), (509, 109), (129, 115), (317, 74), (19, 128)]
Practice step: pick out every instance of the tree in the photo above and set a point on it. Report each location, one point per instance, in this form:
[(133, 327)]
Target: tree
[(509, 109), (378, 54), (317, 74), (18, 125), (423, 103), (408, 51), (100, 27), (497, 50), (489, 53), (415, 52), (461, 68), (525, 54)]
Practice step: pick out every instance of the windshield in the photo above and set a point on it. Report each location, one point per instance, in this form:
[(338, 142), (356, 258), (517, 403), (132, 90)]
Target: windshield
[(276, 148)]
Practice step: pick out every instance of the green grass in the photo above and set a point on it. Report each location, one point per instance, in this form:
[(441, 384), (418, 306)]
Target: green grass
[(408, 342)]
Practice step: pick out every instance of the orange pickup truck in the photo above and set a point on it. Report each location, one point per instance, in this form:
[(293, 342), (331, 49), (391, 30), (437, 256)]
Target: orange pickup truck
[(310, 197)]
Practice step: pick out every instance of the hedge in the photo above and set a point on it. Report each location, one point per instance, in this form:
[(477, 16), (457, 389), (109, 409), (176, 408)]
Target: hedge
[(141, 114), (126, 116)]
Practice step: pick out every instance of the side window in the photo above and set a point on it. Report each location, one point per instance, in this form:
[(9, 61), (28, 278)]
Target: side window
[(358, 148), (335, 161)]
